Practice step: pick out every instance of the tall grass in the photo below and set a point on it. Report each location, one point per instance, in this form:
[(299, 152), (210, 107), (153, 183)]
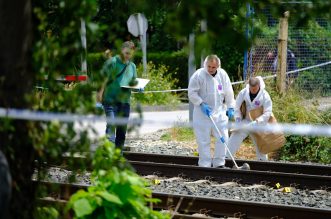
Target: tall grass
[(293, 108)]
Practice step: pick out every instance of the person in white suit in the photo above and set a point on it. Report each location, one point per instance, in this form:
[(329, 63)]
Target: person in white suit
[(211, 93), (254, 95)]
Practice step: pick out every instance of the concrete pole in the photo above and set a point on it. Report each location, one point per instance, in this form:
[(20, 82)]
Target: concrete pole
[(143, 40), (282, 53), (203, 29), (191, 68), (84, 45), (143, 48)]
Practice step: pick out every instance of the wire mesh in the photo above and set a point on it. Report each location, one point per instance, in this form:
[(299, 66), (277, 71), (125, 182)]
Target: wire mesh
[(307, 47)]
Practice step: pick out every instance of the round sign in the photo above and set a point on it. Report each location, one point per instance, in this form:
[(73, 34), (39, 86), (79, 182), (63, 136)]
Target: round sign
[(137, 24)]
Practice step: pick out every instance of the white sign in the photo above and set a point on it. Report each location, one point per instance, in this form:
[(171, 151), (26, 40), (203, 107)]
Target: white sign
[(137, 24)]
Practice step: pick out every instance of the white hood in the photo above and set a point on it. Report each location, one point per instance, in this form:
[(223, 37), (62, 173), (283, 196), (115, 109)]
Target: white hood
[(262, 84)]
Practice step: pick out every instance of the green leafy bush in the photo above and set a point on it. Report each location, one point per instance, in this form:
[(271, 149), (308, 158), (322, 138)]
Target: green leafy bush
[(311, 44), (117, 191), (232, 59), (160, 79), (306, 148), (307, 81), (95, 62), (46, 212), (159, 39), (290, 108), (176, 62)]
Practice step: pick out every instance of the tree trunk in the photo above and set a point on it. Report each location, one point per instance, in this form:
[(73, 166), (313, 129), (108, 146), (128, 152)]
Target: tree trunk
[(16, 83)]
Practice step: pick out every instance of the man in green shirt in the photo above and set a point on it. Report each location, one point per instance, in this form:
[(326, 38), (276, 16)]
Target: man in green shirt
[(119, 71)]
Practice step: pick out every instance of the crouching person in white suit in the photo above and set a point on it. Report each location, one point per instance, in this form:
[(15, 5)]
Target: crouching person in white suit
[(211, 92), (254, 96)]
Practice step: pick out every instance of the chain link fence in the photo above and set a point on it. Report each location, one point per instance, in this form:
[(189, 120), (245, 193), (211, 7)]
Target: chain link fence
[(308, 47)]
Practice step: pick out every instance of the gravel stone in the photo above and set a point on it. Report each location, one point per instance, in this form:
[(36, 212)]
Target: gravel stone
[(206, 188), (152, 143), (202, 181), (256, 193)]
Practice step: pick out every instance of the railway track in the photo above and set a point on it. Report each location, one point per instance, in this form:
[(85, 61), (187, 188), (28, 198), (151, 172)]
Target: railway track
[(302, 181), (268, 173), (255, 165), (302, 176), (270, 166), (60, 204), (187, 205)]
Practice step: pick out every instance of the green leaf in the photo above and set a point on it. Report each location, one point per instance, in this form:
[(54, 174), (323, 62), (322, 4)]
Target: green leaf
[(135, 180), (153, 200), (82, 207), (98, 200), (78, 195), (110, 213), (110, 197)]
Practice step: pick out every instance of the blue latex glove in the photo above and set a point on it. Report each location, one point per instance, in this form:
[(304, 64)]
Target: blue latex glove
[(222, 140), (230, 113), (206, 109), (99, 105)]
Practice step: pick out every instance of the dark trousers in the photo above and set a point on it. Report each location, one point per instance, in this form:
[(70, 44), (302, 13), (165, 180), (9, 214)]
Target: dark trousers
[(117, 133)]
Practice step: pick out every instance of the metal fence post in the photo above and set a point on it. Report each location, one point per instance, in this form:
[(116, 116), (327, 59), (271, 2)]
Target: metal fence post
[(249, 30)]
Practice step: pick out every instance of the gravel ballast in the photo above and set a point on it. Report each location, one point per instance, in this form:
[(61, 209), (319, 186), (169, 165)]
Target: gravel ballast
[(206, 188), (152, 143), (254, 193)]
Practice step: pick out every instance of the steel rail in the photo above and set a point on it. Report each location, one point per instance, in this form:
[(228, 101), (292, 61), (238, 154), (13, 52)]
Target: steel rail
[(215, 207), (270, 178), (314, 169), (303, 181), (242, 209), (271, 166)]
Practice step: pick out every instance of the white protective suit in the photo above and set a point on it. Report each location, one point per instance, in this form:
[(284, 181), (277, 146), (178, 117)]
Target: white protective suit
[(217, 92), (262, 99)]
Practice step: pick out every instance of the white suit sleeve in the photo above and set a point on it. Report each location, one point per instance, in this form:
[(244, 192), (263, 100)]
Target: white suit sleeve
[(229, 96), (267, 109), (193, 89), (239, 101)]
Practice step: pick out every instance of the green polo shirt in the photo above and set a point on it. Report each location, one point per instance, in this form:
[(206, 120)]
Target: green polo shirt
[(113, 92)]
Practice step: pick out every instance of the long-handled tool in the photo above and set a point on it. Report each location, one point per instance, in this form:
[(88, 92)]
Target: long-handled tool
[(245, 166)]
